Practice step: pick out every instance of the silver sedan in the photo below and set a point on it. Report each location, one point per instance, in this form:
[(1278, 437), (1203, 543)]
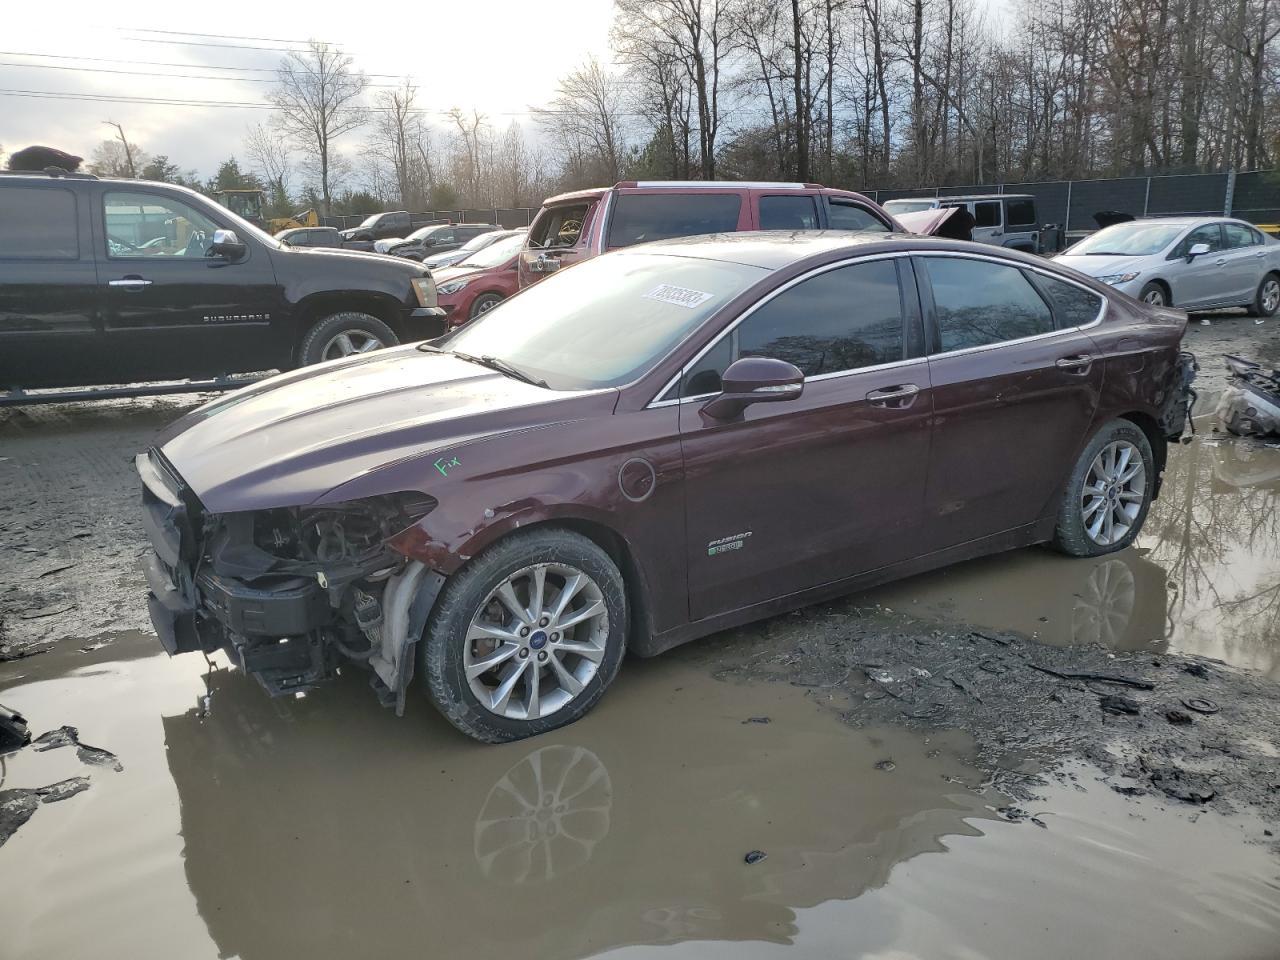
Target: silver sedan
[(1196, 263)]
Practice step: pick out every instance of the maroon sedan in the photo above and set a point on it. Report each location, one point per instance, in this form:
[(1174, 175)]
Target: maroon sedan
[(660, 443), (480, 282)]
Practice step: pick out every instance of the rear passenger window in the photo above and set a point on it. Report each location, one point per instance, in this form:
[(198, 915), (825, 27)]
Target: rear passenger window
[(38, 224), (979, 303), (1238, 235), (641, 217), (850, 216), (788, 213), (840, 320), (1074, 306), (1020, 213)]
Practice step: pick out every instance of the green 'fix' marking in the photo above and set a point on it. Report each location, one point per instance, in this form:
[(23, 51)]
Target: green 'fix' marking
[(445, 463)]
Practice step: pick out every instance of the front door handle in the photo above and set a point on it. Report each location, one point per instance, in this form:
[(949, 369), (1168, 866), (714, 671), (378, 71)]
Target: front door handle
[(901, 395), (1082, 363), (1220, 261), (130, 283)]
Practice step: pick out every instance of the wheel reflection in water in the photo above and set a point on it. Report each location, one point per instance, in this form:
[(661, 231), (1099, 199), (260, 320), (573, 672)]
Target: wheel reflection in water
[(1103, 609), (544, 817)]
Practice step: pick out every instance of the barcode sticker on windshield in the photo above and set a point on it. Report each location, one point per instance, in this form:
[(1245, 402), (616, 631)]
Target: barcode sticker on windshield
[(680, 296)]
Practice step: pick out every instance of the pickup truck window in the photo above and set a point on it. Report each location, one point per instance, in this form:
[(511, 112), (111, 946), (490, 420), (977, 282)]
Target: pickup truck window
[(38, 224), (845, 215), (143, 225), (558, 226)]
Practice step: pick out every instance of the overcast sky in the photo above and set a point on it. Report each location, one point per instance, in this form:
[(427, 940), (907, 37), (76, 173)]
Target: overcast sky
[(499, 56)]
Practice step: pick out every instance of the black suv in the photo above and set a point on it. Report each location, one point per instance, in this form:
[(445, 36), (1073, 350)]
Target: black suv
[(378, 226), (120, 281)]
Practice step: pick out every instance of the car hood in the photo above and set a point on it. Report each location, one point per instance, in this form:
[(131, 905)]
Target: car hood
[(926, 223), (1100, 266), (445, 259), (455, 272), (364, 257), (289, 440)]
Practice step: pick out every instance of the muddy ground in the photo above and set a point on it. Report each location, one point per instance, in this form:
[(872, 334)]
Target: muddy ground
[(1020, 755)]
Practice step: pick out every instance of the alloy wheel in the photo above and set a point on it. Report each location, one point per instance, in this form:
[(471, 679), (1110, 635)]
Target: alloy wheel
[(1155, 297), (1270, 295), (536, 641), (348, 342), (1114, 491)]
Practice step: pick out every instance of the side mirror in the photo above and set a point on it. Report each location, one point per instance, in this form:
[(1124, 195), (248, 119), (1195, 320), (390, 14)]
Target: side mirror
[(227, 245), (754, 380), (1197, 250)]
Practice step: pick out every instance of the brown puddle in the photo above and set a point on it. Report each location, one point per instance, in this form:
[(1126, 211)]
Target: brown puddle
[(325, 827), (1204, 577)]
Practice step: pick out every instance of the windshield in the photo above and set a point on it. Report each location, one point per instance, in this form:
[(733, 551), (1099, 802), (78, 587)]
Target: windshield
[(370, 220), (496, 253), (1136, 239), (422, 232), (908, 206), (478, 242), (604, 322)]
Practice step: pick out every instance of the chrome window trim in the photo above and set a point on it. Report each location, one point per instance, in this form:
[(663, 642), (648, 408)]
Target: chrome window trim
[(606, 211), (718, 185), (965, 255)]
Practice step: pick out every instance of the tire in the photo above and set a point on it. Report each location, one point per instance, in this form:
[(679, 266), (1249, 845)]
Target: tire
[(1267, 300), (324, 340), (1083, 528), (1155, 294), (484, 303), (469, 602)]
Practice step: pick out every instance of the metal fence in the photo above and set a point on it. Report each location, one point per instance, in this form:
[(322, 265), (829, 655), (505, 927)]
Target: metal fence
[(1253, 196)]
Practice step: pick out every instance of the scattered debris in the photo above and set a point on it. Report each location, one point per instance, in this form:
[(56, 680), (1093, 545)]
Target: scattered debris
[(98, 757), (1178, 717), (70, 736), (756, 720), (1099, 677), (1182, 784), (1116, 703), (49, 611), (886, 765), (18, 806), (1200, 705), (755, 856), (63, 789), (53, 739), (13, 730)]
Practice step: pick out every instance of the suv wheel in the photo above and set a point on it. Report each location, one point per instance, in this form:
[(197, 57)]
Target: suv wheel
[(1108, 494), (526, 637), (343, 334)]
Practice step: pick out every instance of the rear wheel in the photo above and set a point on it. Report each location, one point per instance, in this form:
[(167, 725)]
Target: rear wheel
[(1154, 294), (484, 303), (1108, 494), (342, 335), (1267, 300), (526, 637)]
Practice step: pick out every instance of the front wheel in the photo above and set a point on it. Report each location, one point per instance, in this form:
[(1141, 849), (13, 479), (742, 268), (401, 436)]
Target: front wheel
[(1108, 494), (484, 303), (343, 334), (1154, 294), (526, 637), (1267, 300)]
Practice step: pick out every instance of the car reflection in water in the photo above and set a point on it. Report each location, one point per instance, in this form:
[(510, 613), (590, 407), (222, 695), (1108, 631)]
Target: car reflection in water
[(322, 828), (1204, 577)]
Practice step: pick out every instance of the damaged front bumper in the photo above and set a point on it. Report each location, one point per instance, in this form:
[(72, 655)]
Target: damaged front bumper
[(290, 595)]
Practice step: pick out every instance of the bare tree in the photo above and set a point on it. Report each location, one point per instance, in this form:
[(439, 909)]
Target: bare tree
[(586, 116), (271, 159), (397, 131), (318, 99), (129, 162)]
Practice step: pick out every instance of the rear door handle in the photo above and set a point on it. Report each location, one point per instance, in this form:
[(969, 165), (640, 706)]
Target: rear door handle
[(130, 283), (1082, 363), (901, 395)]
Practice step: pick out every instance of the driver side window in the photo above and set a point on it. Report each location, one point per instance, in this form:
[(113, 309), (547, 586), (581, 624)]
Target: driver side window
[(145, 226), (840, 320), (1210, 234)]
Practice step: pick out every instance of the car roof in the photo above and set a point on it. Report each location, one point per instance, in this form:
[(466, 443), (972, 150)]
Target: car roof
[(776, 249)]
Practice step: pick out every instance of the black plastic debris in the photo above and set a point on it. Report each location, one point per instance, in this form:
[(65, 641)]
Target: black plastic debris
[(53, 739), (14, 734), (1178, 717), (755, 856), (1117, 703), (757, 720), (886, 765)]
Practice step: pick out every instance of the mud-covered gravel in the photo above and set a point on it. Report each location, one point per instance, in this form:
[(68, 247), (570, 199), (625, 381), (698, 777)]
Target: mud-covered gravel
[(1187, 728)]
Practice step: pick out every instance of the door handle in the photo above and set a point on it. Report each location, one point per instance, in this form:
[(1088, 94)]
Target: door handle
[(902, 395), (130, 283), (1259, 255), (1082, 363), (1220, 261)]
